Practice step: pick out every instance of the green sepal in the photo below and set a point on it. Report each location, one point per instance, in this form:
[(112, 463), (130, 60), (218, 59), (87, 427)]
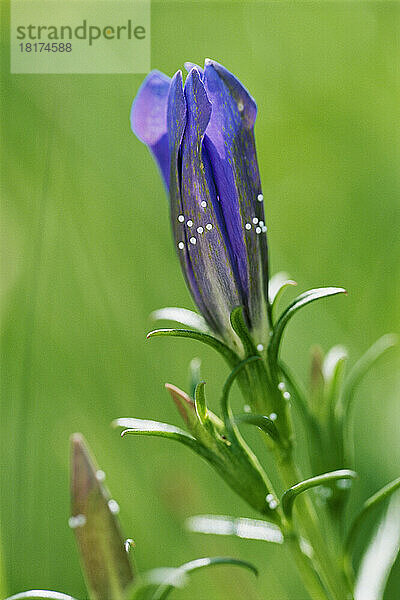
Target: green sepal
[(183, 316), (240, 328), (291, 494), (302, 300), (254, 382), (373, 501), (40, 595), (229, 355)]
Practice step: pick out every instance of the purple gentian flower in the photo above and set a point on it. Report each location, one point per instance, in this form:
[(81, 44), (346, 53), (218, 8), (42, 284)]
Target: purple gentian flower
[(202, 137)]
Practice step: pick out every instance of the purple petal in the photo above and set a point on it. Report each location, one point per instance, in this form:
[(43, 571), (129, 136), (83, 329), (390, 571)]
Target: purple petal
[(201, 230), (229, 142), (149, 118), (176, 118), (189, 66)]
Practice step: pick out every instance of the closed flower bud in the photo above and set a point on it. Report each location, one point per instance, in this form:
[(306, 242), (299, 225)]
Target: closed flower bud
[(202, 137)]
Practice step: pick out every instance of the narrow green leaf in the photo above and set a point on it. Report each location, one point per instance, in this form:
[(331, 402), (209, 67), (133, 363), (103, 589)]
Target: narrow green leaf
[(380, 555), (252, 529), (276, 283), (363, 365), (229, 355), (291, 494), (40, 595), (200, 402), (225, 406), (366, 508), (297, 304), (106, 566), (182, 316), (177, 577), (276, 287), (261, 421), (157, 429)]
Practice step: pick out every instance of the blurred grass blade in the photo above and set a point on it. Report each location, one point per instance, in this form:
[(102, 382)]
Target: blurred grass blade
[(182, 316), (178, 577), (291, 494), (261, 421), (363, 365), (297, 304), (252, 529), (105, 563), (380, 555), (372, 502), (228, 354), (41, 595)]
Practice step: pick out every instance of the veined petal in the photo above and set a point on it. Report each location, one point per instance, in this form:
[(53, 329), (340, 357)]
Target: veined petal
[(230, 143), (190, 65), (176, 120), (200, 229), (149, 118)]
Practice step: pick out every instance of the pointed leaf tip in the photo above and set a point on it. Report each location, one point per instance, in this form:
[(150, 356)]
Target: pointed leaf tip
[(106, 566)]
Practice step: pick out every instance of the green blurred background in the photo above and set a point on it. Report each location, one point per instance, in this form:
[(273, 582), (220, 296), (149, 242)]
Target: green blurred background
[(87, 255)]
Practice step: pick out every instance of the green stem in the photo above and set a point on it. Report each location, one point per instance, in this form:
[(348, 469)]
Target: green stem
[(324, 563), (308, 573)]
